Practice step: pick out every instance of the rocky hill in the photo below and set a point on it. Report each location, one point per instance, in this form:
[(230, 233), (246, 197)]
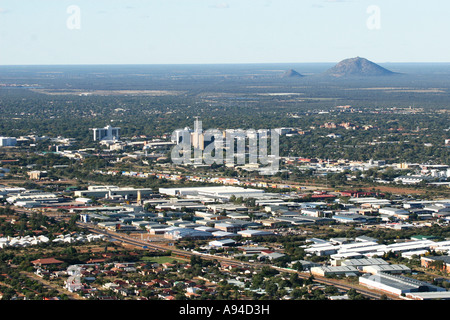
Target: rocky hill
[(357, 67), (291, 73)]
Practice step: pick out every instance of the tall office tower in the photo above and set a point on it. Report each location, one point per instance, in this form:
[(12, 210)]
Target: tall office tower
[(8, 141), (198, 141), (180, 134), (106, 133)]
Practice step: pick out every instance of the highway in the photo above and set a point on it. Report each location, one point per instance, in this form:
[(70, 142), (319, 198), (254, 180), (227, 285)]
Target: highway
[(149, 245)]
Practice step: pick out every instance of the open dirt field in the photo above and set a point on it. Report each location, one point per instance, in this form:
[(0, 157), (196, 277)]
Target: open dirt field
[(397, 190)]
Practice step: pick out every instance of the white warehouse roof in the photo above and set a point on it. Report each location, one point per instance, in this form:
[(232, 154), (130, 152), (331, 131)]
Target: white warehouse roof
[(220, 191)]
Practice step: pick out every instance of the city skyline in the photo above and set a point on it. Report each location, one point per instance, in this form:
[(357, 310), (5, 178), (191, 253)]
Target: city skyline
[(216, 32)]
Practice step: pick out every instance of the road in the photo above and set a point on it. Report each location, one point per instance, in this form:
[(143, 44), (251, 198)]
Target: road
[(340, 284), (124, 239), (51, 286)]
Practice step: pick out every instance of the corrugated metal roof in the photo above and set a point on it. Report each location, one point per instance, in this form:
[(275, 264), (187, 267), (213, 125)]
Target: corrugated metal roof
[(404, 284), (388, 268), (364, 262)]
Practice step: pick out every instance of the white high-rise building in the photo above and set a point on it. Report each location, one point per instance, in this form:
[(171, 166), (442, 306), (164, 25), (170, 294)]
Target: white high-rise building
[(198, 141), (179, 134), (8, 141), (106, 133)]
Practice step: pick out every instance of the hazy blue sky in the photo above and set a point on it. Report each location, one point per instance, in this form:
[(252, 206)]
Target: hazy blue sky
[(222, 31)]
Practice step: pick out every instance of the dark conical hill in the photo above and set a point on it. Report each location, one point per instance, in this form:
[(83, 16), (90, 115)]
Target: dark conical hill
[(357, 67), (291, 73)]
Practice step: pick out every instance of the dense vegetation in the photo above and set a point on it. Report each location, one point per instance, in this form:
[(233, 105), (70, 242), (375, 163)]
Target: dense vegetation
[(33, 101)]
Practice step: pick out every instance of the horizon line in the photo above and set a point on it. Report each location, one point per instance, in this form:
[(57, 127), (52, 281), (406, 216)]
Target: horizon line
[(199, 63)]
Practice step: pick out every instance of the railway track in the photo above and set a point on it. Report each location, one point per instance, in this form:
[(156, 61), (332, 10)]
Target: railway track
[(338, 284), (187, 254), (178, 252)]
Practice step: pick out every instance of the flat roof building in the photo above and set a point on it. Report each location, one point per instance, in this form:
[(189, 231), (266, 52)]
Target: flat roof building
[(390, 268), (440, 295), (338, 270), (437, 262), (410, 246), (397, 285), (180, 206), (228, 227), (223, 234), (254, 233), (183, 233), (220, 192), (222, 243), (111, 191), (363, 262), (350, 218), (390, 211)]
